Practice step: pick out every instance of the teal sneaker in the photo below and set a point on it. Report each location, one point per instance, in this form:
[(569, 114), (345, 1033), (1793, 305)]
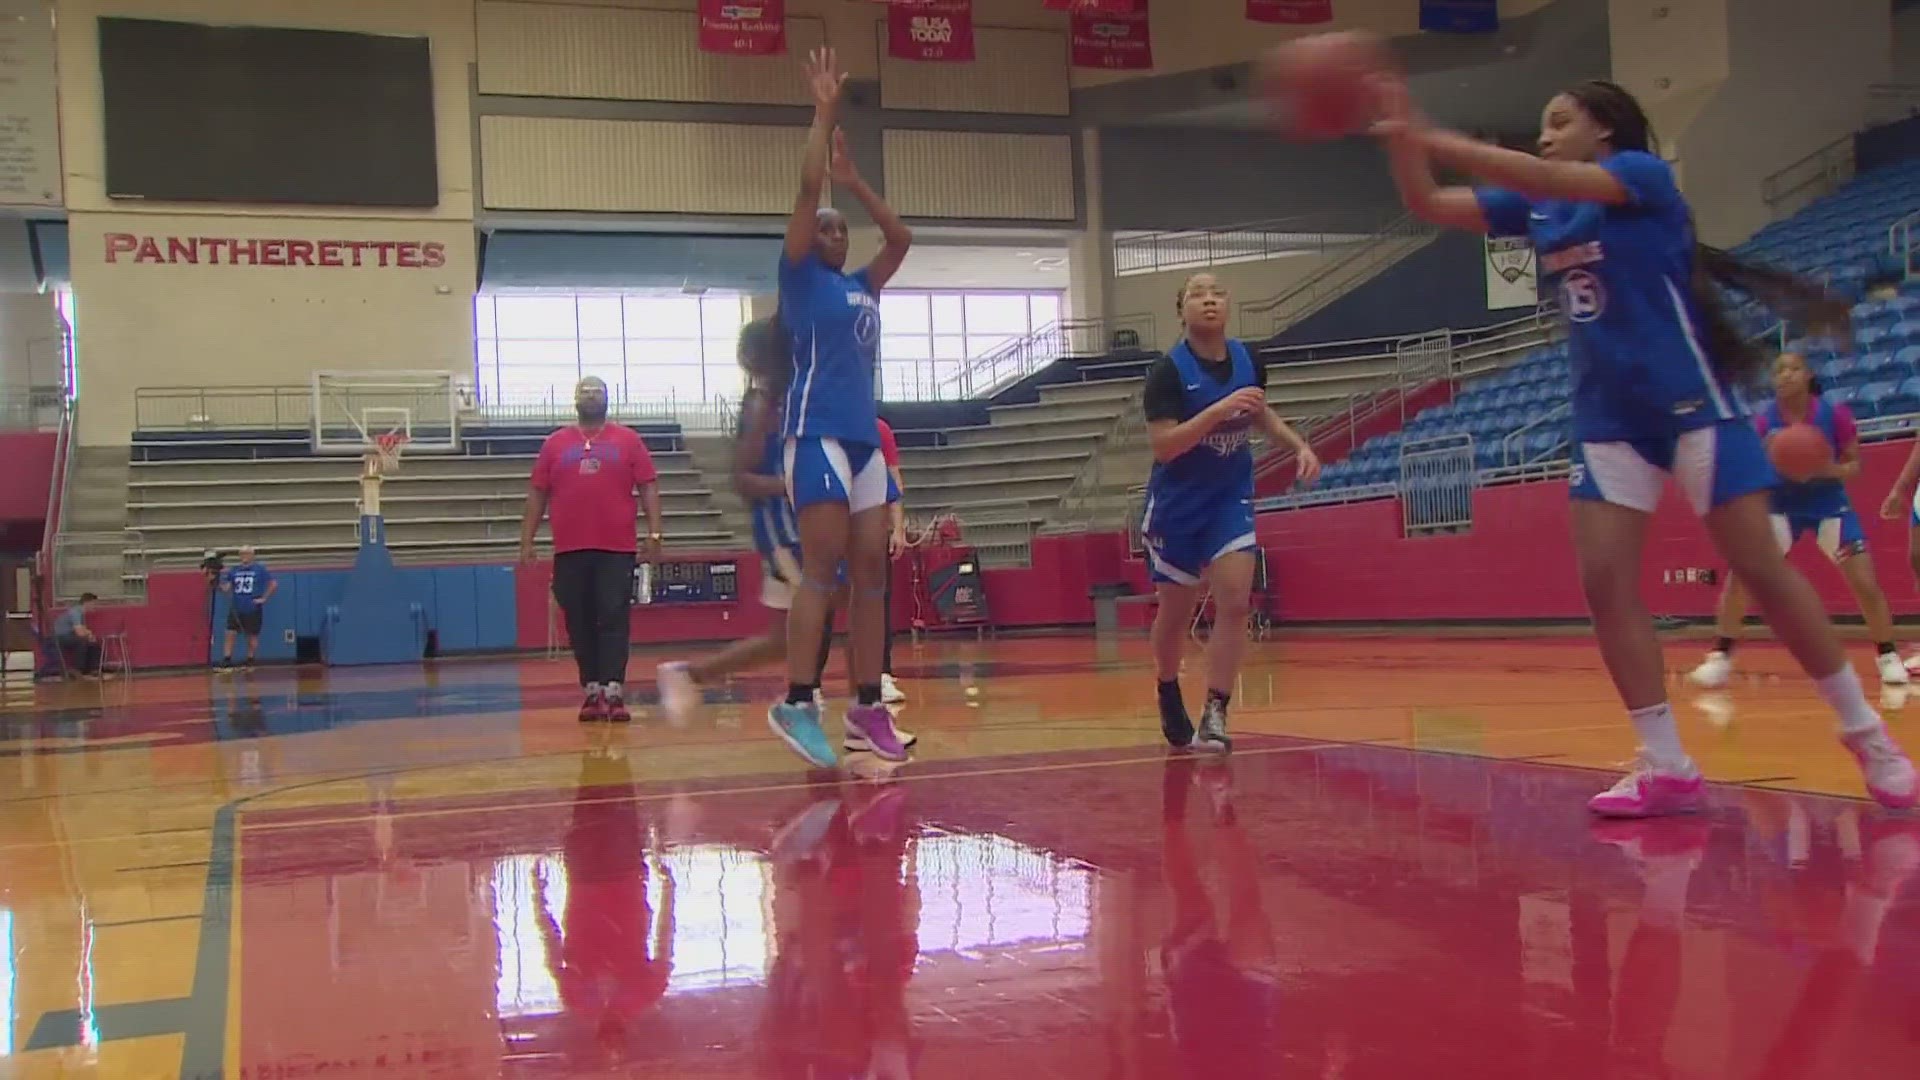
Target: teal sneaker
[(799, 727)]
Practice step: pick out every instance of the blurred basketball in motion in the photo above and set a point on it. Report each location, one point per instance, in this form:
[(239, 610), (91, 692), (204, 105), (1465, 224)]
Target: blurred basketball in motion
[(1318, 85), (1799, 451)]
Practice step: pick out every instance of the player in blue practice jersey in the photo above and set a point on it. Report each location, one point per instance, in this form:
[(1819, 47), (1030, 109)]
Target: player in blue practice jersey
[(758, 455), (1818, 507), (1203, 401), (1654, 355), (249, 585), (836, 479)]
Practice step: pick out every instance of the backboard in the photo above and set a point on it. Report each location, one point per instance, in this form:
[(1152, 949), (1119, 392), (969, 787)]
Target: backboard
[(352, 408)]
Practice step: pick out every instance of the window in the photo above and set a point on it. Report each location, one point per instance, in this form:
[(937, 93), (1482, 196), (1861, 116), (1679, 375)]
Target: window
[(531, 347), (927, 337)]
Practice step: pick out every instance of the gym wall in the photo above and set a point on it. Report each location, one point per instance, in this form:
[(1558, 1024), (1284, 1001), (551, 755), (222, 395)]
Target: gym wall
[(314, 288)]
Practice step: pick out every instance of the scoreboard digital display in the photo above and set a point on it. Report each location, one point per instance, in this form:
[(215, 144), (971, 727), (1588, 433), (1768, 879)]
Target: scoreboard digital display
[(687, 581)]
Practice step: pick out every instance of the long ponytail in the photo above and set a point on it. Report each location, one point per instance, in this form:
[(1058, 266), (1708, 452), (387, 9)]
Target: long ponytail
[(1803, 304)]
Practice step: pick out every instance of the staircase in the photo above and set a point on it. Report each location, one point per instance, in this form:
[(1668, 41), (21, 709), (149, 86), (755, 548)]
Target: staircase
[(1406, 234), (94, 551), (713, 456)]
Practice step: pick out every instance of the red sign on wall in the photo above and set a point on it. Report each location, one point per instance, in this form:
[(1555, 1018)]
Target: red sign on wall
[(1117, 41), (930, 29), (1290, 12), (232, 251), (743, 27)]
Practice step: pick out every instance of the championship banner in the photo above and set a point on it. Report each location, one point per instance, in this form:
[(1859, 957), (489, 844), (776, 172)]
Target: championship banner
[(1097, 7), (1113, 40), (1460, 16), (1290, 12), (1513, 275), (930, 29), (743, 27)]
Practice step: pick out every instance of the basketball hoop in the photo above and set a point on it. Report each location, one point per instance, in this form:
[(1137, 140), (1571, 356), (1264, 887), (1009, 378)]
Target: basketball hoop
[(382, 458)]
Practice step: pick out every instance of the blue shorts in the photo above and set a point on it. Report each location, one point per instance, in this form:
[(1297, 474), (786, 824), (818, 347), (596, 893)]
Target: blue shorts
[(1713, 465), (821, 470), (1840, 534), (1177, 551)]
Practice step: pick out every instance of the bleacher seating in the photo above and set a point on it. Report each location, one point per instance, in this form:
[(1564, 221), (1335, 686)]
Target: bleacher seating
[(1518, 418), (187, 494)]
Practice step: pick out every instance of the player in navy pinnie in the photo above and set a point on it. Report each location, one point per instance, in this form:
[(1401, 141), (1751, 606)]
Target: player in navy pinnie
[(1203, 401), (836, 478), (1654, 357)]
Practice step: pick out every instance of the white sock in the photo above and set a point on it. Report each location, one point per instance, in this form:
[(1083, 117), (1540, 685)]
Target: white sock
[(611, 689), (593, 689), (1843, 695), (1661, 737)]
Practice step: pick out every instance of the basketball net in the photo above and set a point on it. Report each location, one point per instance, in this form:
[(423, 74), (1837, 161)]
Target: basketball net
[(380, 459)]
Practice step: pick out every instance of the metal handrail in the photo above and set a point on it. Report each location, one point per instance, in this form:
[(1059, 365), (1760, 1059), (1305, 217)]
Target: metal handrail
[(1297, 234), (1891, 102), (1900, 241), (1465, 346), (1264, 318), (63, 456), (1825, 169), (1554, 415), (1079, 504), (982, 375)]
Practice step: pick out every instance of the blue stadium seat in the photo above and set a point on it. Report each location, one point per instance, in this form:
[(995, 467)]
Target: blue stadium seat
[(1871, 398)]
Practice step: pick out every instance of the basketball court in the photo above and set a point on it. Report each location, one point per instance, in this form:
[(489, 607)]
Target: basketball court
[(438, 871)]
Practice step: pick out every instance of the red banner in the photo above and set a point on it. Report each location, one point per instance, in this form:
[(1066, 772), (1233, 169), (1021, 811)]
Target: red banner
[(930, 29), (1097, 7), (743, 27), (1290, 12), (1117, 41)]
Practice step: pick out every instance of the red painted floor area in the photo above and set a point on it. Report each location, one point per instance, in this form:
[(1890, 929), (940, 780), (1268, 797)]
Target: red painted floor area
[(1301, 910)]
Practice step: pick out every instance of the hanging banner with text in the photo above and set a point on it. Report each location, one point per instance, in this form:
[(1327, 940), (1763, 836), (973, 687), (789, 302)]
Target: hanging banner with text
[(1113, 40), (1290, 12), (1513, 277), (930, 29), (743, 27), (1460, 16), (1097, 7), (30, 109)]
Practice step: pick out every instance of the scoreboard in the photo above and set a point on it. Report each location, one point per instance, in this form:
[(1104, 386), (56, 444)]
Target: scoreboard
[(686, 581)]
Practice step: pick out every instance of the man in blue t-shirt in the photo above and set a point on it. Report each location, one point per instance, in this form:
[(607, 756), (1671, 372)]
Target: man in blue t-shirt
[(76, 640), (249, 583)]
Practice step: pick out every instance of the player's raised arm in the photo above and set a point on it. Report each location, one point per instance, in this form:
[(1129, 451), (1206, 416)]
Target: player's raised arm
[(824, 81), (895, 237)]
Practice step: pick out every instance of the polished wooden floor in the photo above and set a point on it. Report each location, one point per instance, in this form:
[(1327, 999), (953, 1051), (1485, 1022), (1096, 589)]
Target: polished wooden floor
[(415, 872)]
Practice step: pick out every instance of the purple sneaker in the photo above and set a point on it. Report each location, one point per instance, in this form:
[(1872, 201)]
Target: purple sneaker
[(870, 729)]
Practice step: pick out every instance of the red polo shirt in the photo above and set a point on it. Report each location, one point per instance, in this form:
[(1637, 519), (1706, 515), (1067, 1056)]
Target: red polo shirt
[(591, 485), (889, 446)]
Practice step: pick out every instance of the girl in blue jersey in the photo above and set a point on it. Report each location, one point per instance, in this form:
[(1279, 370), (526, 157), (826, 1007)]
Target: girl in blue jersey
[(759, 478), (836, 478), (1203, 401), (1816, 507), (1653, 356)]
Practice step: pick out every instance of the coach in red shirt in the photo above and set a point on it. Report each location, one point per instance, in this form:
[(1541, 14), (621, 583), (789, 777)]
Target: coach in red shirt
[(593, 478)]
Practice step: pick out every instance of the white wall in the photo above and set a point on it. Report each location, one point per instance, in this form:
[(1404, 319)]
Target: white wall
[(1750, 87), (160, 316)]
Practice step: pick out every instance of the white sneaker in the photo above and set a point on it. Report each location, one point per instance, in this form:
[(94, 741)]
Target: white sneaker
[(890, 692), (679, 695), (1892, 671), (1889, 774), (1913, 664), (1713, 673)]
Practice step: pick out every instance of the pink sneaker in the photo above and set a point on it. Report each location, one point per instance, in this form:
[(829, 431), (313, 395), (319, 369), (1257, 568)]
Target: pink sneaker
[(1647, 792), (870, 728), (1889, 775)]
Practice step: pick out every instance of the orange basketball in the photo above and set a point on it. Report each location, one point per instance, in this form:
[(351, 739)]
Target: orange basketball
[(1318, 84), (1799, 451)]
